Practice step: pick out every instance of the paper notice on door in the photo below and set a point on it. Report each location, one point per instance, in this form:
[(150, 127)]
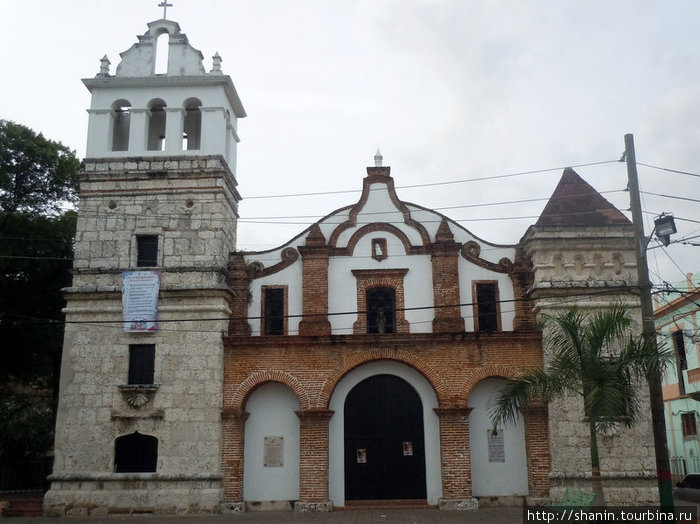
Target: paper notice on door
[(361, 456)]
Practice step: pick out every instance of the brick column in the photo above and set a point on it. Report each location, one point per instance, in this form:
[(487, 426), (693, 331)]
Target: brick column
[(456, 459), (538, 458), (445, 253), (233, 436), (522, 276), (313, 461), (314, 256), (239, 281)]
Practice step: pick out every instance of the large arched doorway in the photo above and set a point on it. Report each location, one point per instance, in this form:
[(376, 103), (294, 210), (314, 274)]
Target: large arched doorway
[(384, 442)]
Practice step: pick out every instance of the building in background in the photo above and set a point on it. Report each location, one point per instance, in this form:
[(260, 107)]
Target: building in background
[(355, 362), (677, 315)]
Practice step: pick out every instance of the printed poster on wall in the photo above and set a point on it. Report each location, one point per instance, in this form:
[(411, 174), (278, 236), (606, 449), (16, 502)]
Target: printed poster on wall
[(140, 300)]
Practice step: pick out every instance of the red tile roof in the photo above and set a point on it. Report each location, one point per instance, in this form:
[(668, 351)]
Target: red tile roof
[(575, 203)]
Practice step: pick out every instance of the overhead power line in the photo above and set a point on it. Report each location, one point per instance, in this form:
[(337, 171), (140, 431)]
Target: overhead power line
[(431, 184), (669, 170), (631, 290)]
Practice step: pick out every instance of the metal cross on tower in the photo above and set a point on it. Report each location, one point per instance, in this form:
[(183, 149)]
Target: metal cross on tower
[(164, 4)]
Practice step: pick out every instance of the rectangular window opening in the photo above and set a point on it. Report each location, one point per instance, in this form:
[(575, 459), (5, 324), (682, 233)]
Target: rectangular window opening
[(146, 250), (681, 359), (381, 310), (274, 301), (141, 363), (486, 306), (689, 424)]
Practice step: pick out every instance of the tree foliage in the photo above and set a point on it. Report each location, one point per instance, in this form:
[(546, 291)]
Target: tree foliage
[(594, 357), (37, 176), (35, 260)]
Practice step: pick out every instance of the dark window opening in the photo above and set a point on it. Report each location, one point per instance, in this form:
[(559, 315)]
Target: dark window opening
[(135, 453), (147, 250), (681, 359), (381, 310), (141, 363), (689, 424), (274, 311), (486, 306)]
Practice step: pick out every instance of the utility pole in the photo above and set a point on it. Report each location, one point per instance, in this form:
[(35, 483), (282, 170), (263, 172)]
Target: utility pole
[(658, 422)]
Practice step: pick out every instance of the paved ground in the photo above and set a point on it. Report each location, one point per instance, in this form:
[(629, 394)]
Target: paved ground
[(393, 516)]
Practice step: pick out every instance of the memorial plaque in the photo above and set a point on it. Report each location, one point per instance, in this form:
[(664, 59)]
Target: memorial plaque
[(273, 454), (408, 449), (361, 456), (497, 452)]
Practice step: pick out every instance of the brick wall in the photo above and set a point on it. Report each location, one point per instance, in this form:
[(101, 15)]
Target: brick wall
[(315, 285), (312, 366)]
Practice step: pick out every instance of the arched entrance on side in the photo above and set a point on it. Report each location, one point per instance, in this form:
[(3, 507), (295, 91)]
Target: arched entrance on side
[(428, 401), (498, 462), (271, 453)]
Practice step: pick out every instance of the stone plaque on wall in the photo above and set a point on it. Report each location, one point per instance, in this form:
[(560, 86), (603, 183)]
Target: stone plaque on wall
[(497, 452), (273, 452)]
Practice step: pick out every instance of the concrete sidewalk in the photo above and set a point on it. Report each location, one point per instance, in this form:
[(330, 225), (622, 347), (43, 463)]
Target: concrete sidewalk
[(374, 516)]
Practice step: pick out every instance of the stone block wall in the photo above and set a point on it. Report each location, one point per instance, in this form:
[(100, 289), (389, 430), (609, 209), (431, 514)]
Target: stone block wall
[(592, 268), (190, 203)]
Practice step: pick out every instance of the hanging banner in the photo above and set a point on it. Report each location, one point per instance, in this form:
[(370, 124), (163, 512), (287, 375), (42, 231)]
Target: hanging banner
[(140, 300)]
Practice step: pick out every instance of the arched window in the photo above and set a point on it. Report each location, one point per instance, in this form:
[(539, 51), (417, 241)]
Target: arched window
[(381, 310), (135, 453), (156, 125), (192, 137), (121, 112), (162, 51)]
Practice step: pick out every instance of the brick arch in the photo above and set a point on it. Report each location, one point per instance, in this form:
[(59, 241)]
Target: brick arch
[(254, 381), (375, 228), (356, 361), (489, 371)]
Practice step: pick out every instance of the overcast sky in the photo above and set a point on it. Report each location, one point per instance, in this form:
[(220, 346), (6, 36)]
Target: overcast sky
[(448, 90)]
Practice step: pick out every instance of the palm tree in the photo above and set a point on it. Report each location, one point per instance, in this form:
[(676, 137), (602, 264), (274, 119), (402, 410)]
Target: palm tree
[(594, 357)]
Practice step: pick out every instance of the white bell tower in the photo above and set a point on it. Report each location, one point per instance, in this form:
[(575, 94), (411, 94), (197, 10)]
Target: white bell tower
[(183, 111)]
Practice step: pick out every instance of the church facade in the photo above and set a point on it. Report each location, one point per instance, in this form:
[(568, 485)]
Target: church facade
[(353, 363)]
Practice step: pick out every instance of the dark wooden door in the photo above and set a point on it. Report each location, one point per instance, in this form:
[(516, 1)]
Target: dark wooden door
[(384, 444)]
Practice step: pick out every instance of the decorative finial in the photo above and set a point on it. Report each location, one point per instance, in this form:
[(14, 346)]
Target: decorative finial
[(378, 158), (164, 4), (216, 64), (104, 66)]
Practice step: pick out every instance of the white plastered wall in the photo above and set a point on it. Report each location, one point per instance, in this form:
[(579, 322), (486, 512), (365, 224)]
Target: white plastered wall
[(418, 283), (508, 478)]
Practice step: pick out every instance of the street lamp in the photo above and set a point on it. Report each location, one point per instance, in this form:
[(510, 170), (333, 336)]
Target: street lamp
[(664, 227)]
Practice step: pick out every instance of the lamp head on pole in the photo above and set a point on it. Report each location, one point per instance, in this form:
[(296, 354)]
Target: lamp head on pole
[(664, 227)]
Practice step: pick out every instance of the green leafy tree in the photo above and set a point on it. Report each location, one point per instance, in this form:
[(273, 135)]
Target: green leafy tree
[(38, 178), (593, 357)]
